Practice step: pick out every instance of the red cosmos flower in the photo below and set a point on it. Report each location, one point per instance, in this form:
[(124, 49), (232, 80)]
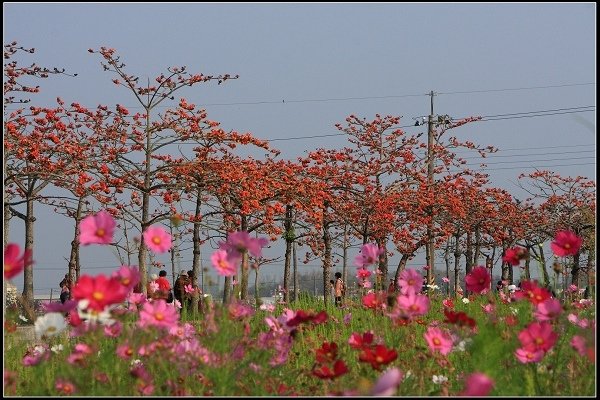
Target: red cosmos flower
[(532, 292), (303, 316), (514, 255), (378, 356), (566, 243), (459, 318), (100, 291), (478, 280), (374, 300), (13, 264), (324, 372), (326, 353), (359, 342)]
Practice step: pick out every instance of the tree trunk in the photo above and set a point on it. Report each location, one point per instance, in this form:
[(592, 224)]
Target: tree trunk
[(457, 255), (542, 261), (28, 271), (326, 260), (383, 263), (197, 260), (227, 290), (289, 239), (73, 258), (245, 267), (469, 254), (447, 260), (477, 246), (7, 217), (575, 270), (401, 267), (296, 285)]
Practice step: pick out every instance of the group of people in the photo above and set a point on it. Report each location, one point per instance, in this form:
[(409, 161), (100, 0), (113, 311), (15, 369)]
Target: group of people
[(179, 292), (338, 289), (65, 289)]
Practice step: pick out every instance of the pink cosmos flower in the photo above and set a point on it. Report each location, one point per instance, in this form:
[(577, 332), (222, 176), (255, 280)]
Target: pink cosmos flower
[(410, 281), (125, 351), (100, 291), (113, 330), (222, 264), (158, 314), (97, 228), (527, 356), (64, 387), (13, 264), (578, 343), (387, 384), (547, 310), (445, 279), (157, 239), (488, 308), (438, 340), (369, 254), (477, 384), (189, 288), (478, 280), (153, 286), (362, 273), (413, 304), (37, 354), (566, 243), (128, 276), (239, 242), (538, 336)]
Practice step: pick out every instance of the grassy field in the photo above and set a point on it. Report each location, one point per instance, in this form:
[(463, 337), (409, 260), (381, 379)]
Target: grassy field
[(225, 353)]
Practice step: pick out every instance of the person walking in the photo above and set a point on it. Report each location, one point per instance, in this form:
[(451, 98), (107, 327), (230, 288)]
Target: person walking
[(339, 289)]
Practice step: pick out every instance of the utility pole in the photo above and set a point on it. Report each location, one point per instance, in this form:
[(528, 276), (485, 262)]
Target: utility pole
[(430, 247)]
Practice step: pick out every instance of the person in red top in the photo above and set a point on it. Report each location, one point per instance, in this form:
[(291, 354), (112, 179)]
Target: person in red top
[(164, 287)]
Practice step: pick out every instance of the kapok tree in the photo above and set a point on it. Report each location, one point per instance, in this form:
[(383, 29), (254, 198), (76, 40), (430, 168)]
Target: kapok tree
[(569, 203), (148, 134)]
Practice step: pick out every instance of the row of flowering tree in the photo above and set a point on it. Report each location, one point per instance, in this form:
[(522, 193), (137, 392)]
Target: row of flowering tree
[(376, 189)]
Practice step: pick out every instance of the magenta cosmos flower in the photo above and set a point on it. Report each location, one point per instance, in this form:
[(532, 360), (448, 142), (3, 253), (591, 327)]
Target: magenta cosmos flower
[(478, 384), (514, 255), (157, 239), (566, 243), (547, 310), (222, 264), (159, 314), (97, 229), (478, 280), (410, 281), (369, 254), (538, 336), (128, 276), (13, 263), (527, 356), (438, 340), (239, 242)]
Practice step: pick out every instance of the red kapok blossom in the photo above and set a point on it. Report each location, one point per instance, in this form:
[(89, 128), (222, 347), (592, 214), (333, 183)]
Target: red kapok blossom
[(478, 280), (566, 243)]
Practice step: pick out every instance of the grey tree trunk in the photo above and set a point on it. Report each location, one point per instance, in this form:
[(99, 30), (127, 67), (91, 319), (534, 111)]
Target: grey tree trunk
[(289, 239)]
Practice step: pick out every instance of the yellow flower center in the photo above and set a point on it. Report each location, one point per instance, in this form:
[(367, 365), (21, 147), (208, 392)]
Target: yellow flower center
[(125, 281), (156, 240), (159, 316), (539, 341), (567, 246), (223, 264), (98, 296), (436, 341), (51, 329), (100, 232), (379, 359), (413, 307)]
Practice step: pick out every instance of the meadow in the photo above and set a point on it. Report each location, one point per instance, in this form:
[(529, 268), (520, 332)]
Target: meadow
[(361, 348)]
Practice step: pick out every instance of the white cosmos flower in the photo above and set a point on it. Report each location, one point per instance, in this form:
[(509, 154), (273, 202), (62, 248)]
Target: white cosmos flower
[(465, 300), (57, 348), (49, 325), (439, 379), (22, 318)]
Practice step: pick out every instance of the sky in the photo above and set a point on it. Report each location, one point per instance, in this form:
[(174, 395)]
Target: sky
[(304, 67)]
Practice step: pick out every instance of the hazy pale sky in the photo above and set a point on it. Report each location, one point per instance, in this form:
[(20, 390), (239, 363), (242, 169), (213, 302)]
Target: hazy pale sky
[(305, 67)]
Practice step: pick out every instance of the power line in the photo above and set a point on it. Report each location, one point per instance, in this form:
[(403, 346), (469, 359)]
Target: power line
[(528, 154), (528, 167), (530, 161), (519, 88), (334, 99)]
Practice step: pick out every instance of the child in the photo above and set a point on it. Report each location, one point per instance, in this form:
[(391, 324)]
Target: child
[(339, 289)]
